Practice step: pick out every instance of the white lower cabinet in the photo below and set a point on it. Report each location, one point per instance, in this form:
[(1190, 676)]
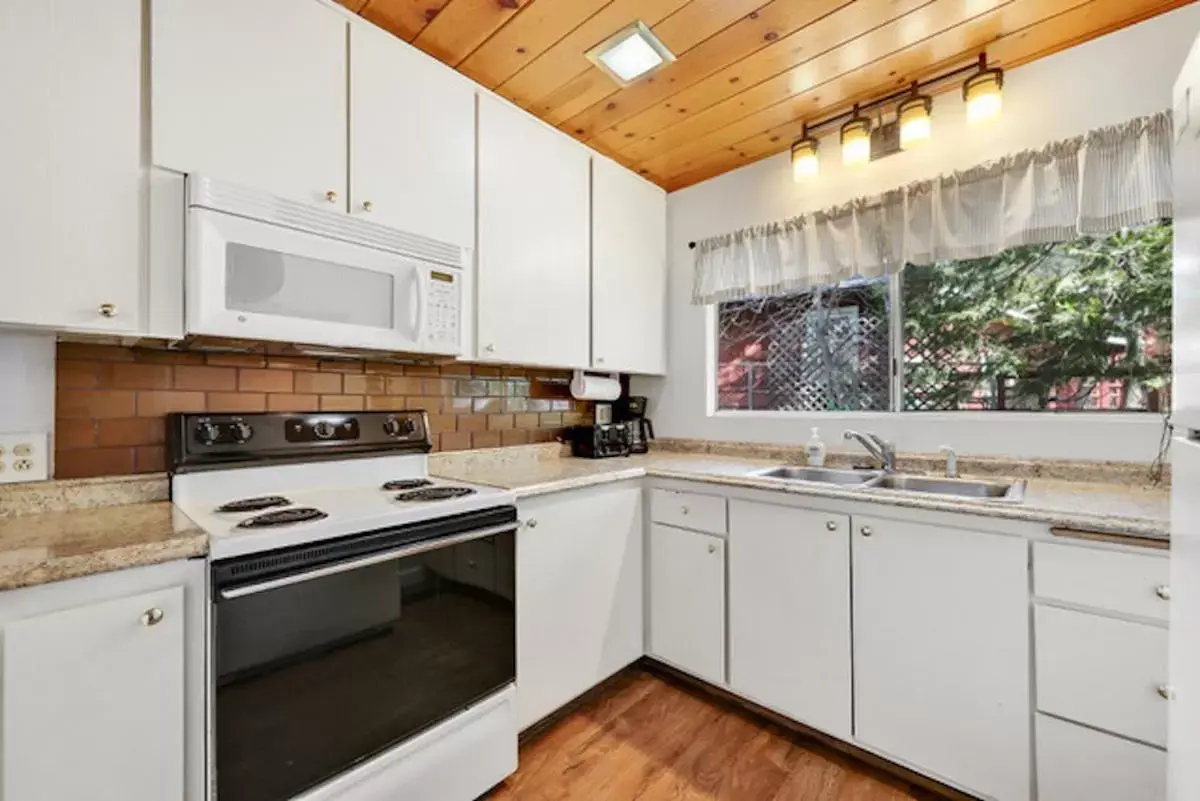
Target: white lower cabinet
[(102, 696), (579, 593), (686, 614), (1075, 763), (789, 612), (941, 652)]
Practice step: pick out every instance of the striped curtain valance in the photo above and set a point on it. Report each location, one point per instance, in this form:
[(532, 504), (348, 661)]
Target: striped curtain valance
[(1109, 178)]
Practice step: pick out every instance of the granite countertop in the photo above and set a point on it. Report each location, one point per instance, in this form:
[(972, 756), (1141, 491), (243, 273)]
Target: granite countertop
[(65, 529), (1109, 508)]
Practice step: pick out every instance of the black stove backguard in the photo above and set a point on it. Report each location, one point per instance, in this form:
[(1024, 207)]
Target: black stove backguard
[(221, 441)]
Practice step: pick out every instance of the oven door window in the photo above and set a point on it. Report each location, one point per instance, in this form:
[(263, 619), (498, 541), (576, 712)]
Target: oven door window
[(315, 677)]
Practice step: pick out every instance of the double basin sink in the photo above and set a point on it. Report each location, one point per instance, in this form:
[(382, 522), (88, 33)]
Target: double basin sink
[(878, 479)]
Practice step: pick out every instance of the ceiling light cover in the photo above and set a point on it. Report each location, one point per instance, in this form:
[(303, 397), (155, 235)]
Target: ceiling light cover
[(804, 159), (856, 142), (630, 54), (982, 93), (916, 124)]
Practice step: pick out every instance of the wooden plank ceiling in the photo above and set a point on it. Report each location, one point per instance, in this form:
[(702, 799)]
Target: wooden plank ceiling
[(749, 73)]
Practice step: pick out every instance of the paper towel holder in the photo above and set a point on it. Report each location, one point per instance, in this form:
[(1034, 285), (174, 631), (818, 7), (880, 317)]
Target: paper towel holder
[(611, 380)]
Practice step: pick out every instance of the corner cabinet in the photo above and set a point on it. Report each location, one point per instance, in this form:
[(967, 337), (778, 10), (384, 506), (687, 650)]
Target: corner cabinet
[(533, 292), (579, 593), (103, 694), (942, 652), (629, 271), (789, 612), (71, 90), (253, 93)]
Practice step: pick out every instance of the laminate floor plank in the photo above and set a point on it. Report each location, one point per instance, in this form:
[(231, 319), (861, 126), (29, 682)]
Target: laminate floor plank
[(645, 738)]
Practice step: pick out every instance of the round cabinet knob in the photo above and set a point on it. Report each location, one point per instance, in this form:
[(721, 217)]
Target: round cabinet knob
[(1166, 691), (831, 525), (108, 310), (152, 617), (331, 196), (684, 509), (532, 524), (471, 563), (600, 360), (368, 206), (1163, 591), (865, 531), (490, 348), (712, 549)]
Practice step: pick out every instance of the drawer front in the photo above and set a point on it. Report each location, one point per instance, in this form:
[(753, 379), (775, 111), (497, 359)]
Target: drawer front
[(1102, 672), (1112, 580), (1079, 764), (688, 510)]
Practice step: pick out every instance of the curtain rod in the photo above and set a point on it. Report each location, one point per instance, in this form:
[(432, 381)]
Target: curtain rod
[(979, 64)]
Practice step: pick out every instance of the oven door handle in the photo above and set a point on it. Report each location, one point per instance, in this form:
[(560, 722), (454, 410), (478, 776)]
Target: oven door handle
[(366, 561)]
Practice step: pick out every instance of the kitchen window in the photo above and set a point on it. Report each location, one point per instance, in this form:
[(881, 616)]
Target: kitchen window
[(1083, 325)]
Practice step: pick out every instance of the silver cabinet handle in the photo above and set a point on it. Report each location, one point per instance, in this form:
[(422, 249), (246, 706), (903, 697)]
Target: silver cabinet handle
[(368, 205), (152, 617), (865, 531), (108, 310), (532, 524), (831, 525), (712, 548), (331, 196), (1163, 591), (1166, 692)]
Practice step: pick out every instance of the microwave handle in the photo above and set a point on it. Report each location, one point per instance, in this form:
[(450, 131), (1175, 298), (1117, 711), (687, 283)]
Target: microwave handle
[(421, 278)]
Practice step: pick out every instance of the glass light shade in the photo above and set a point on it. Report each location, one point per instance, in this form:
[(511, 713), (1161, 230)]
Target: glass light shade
[(630, 54), (982, 94), (804, 159), (856, 142), (916, 125)]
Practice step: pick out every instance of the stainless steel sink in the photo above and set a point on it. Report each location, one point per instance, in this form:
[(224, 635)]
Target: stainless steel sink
[(959, 487), (822, 475)]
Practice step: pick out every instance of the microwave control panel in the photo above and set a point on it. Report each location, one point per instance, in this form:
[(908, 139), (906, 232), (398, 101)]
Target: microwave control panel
[(444, 310)]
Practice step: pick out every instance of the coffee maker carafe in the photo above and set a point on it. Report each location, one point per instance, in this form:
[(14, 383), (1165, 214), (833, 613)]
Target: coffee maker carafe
[(641, 430)]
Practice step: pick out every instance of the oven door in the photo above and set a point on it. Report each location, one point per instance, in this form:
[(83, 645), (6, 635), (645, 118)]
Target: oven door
[(252, 279), (329, 654)]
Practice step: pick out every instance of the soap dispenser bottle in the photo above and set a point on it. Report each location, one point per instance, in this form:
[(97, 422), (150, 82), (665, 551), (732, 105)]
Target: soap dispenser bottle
[(815, 450)]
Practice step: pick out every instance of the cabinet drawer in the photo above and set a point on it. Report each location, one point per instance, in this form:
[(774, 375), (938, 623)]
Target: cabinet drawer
[(1075, 763), (688, 510), (1120, 582), (1102, 672)]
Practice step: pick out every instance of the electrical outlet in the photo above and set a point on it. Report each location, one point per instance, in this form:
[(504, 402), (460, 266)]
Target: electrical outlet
[(24, 457)]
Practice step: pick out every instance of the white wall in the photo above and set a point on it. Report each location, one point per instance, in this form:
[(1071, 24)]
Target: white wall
[(1117, 77), (26, 381)]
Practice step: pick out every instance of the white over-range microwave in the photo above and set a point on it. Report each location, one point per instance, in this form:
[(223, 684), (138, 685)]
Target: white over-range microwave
[(262, 267)]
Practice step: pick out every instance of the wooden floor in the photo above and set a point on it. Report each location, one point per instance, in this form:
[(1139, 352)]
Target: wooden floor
[(647, 738)]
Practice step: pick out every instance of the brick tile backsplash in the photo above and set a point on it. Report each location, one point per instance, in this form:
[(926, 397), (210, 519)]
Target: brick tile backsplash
[(111, 400)]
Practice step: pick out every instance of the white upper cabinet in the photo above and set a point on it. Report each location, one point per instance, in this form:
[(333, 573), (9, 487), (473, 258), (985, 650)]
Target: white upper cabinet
[(941, 652), (789, 612), (71, 160), (533, 258), (629, 271), (252, 92), (412, 139)]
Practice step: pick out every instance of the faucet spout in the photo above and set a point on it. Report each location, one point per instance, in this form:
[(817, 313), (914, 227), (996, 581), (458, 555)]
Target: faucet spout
[(879, 448)]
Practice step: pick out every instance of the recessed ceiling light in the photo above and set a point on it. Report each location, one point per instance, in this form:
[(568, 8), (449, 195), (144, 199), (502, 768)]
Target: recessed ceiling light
[(630, 53)]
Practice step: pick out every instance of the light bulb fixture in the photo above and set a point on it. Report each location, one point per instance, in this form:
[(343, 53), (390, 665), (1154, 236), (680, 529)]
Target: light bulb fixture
[(914, 115), (631, 54), (856, 140), (804, 157), (982, 92)]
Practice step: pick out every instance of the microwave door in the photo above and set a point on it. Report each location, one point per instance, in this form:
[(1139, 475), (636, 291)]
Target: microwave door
[(410, 303)]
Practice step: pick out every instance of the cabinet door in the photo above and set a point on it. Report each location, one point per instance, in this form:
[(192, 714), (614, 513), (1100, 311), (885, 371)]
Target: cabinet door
[(789, 612), (70, 210), (252, 92), (941, 652), (412, 139), (579, 594), (94, 702), (686, 612), (533, 296), (629, 271)]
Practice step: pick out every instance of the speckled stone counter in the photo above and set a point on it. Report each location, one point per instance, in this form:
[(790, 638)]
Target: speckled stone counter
[(1122, 509), (58, 530)]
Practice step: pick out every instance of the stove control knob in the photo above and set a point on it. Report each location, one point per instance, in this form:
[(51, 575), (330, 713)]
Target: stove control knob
[(399, 427), (244, 432), (323, 430), (207, 433)]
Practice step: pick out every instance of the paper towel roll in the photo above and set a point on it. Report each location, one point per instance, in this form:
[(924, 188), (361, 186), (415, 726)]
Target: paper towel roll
[(594, 387)]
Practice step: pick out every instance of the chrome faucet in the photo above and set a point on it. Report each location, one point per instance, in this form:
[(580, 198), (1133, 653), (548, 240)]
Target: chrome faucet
[(878, 447)]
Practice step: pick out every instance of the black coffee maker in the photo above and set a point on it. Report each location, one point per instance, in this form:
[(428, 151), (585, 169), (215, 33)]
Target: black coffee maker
[(641, 430)]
